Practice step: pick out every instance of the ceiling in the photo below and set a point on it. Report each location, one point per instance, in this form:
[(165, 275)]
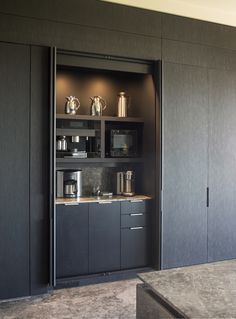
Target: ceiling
[(219, 11)]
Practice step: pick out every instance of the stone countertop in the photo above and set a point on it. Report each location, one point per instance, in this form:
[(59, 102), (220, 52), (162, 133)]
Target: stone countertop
[(201, 291), (94, 199)]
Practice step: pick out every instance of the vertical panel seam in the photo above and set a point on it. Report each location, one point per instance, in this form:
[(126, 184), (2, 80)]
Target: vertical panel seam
[(30, 122)]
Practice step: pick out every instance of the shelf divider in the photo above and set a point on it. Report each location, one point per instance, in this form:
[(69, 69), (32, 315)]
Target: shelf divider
[(99, 118), (75, 132)]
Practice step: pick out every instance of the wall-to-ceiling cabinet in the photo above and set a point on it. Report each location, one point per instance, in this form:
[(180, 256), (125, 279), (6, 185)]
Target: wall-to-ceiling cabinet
[(185, 152), (222, 164), (199, 157), (14, 170), (24, 188)]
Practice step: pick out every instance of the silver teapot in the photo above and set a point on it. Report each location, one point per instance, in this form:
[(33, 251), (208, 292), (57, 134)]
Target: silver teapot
[(97, 106), (72, 105)]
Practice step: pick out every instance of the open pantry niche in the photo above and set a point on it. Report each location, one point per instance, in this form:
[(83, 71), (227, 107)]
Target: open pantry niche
[(85, 77)]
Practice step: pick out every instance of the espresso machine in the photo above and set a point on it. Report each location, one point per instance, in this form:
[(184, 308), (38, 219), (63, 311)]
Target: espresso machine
[(69, 183)]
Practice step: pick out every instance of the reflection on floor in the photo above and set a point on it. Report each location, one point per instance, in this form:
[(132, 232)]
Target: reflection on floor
[(113, 300)]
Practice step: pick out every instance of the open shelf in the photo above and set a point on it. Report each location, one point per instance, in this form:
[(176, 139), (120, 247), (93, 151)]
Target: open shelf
[(99, 118), (75, 132), (99, 160)]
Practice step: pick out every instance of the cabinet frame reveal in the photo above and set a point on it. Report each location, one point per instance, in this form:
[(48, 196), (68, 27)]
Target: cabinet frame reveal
[(106, 235)]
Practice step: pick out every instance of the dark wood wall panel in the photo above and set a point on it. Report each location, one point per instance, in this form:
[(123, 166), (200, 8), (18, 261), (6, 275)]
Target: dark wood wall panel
[(185, 149), (222, 163), (78, 38), (197, 31), (39, 170), (198, 55), (89, 13), (14, 170)]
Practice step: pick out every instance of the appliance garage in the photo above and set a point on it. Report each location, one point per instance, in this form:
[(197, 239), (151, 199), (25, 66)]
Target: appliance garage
[(104, 155)]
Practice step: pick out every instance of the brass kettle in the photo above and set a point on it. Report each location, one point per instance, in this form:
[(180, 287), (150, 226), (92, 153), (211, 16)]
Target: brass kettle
[(72, 105), (98, 105)]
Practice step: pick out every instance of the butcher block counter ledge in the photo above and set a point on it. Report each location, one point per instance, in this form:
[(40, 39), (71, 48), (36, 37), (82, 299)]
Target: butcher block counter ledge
[(94, 199), (201, 291)]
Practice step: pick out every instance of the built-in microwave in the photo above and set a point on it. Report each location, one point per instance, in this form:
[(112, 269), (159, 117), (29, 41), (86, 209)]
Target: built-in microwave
[(122, 143)]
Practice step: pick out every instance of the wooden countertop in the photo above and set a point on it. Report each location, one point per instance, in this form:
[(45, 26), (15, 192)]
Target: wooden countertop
[(94, 199)]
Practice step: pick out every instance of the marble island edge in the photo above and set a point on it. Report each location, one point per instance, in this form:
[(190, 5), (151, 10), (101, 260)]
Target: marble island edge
[(200, 291)]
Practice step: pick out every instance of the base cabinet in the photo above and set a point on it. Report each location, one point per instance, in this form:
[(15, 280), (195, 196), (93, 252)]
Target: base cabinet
[(72, 226), (134, 247), (101, 237), (135, 234), (104, 237)]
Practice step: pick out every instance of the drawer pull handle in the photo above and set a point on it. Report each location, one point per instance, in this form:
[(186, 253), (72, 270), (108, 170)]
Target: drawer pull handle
[(136, 201), (136, 214), (135, 228), (105, 202), (71, 204)]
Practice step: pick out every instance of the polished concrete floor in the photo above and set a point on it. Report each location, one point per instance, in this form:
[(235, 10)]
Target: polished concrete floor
[(101, 301)]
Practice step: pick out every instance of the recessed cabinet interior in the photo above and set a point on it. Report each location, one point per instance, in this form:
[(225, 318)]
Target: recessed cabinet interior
[(100, 146), (75, 77)]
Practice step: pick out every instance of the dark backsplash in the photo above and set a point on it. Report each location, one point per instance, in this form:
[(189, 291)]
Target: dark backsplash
[(105, 177)]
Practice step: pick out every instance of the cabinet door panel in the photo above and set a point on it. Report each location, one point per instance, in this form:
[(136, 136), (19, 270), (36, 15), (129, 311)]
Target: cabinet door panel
[(14, 170), (222, 164), (71, 240), (104, 237), (135, 247), (39, 168), (185, 149)]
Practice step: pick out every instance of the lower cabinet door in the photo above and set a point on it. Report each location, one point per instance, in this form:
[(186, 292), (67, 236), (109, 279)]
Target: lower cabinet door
[(104, 237), (71, 240), (135, 250)]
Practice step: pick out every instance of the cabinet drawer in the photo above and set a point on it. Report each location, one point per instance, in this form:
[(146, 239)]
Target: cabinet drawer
[(135, 250), (134, 219), (134, 206)]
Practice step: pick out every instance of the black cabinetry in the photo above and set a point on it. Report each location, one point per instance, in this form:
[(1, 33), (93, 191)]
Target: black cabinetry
[(14, 170), (198, 211), (72, 224), (222, 161), (24, 213), (135, 234), (185, 153), (104, 237), (39, 170)]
